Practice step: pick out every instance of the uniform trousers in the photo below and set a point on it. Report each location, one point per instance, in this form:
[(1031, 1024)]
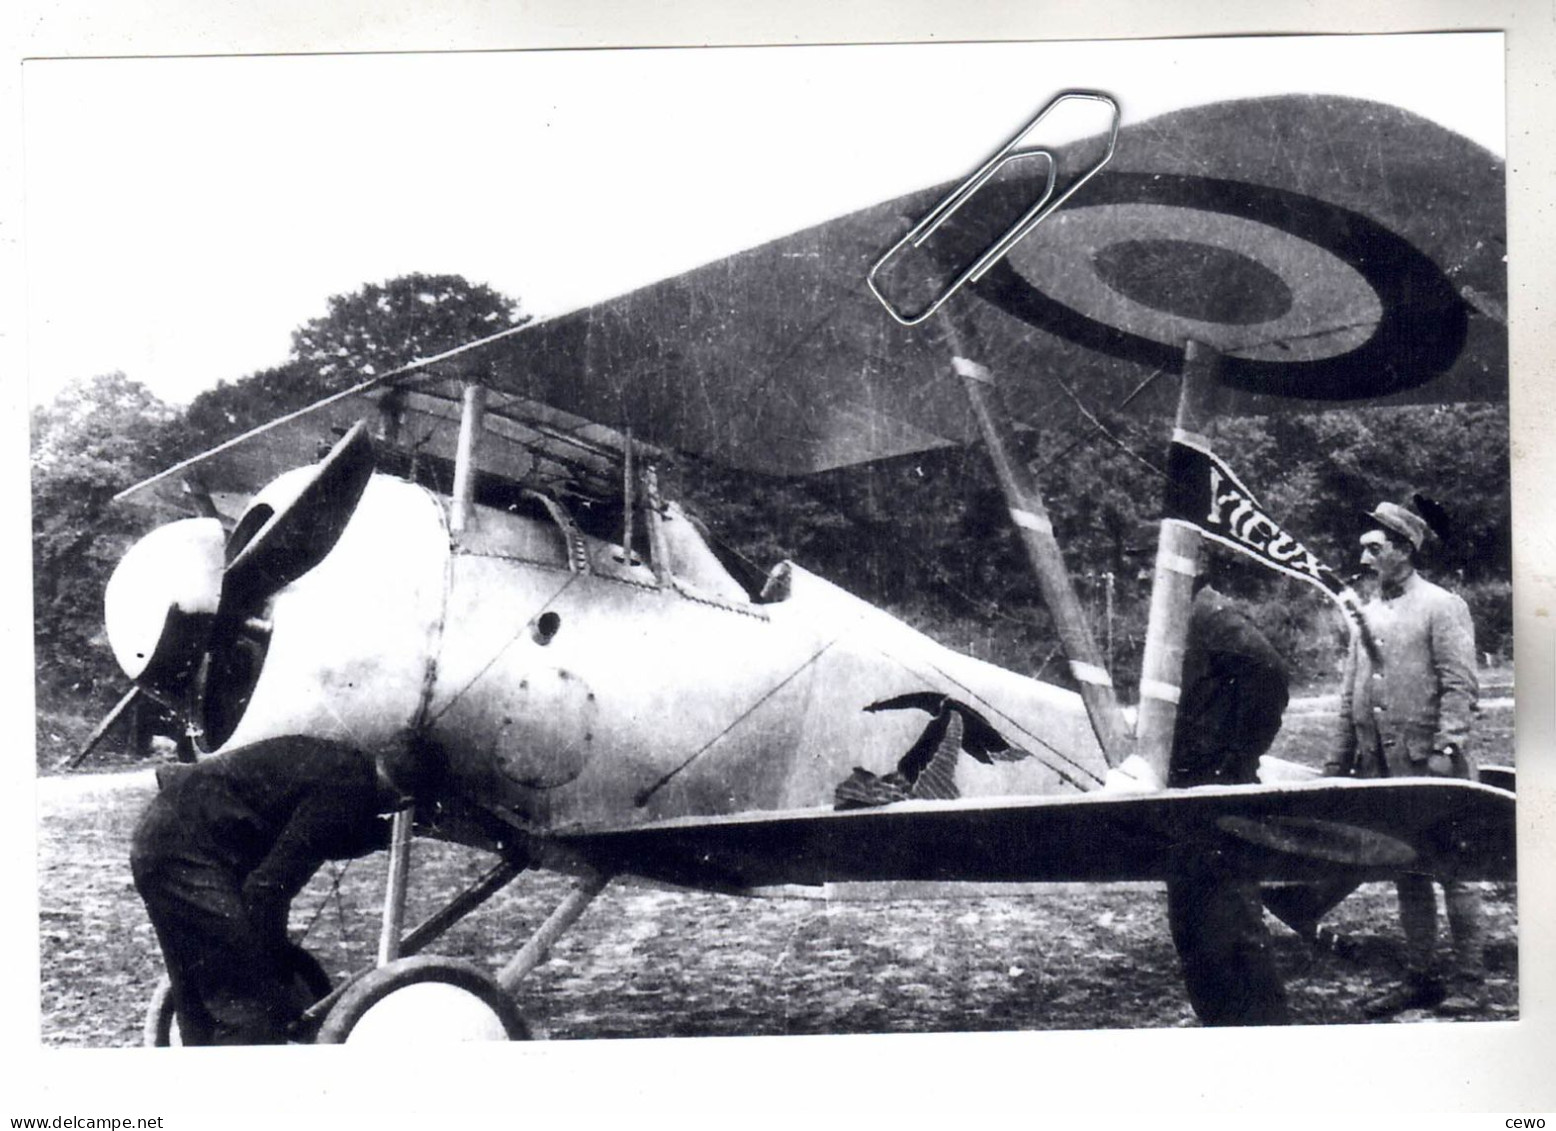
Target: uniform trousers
[(231, 981), (1418, 920), (1217, 924)]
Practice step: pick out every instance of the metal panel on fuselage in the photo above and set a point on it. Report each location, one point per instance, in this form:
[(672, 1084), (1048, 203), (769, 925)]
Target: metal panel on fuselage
[(628, 685)]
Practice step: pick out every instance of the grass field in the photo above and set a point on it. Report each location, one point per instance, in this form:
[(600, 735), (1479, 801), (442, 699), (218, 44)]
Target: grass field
[(646, 961)]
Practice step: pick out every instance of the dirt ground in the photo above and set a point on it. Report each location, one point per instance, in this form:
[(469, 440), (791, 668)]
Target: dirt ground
[(646, 961)]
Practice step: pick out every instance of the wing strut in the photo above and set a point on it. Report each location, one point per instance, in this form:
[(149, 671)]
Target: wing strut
[(1172, 589), (390, 931), (1037, 536), (566, 913), (463, 502)]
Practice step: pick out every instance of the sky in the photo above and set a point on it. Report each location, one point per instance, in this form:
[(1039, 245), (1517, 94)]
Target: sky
[(183, 216)]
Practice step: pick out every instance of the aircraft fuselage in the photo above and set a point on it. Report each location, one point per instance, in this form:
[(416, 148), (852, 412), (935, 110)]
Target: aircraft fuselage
[(573, 688)]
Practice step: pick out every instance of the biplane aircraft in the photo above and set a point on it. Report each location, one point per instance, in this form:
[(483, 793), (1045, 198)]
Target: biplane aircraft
[(484, 560)]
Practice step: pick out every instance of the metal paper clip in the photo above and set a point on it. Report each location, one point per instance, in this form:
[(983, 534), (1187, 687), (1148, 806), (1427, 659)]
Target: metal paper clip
[(1018, 231)]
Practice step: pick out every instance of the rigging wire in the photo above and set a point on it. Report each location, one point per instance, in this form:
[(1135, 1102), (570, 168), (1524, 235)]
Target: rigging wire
[(333, 895)]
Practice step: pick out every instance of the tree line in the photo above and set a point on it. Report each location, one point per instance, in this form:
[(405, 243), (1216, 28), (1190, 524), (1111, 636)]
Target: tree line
[(926, 536)]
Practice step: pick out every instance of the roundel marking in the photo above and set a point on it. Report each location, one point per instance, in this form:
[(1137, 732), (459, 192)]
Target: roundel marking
[(1193, 280), (1169, 274), (1139, 263)]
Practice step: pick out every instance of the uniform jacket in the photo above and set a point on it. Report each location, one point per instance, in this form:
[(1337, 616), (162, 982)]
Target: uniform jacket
[(1421, 697), (1234, 690), (267, 815)]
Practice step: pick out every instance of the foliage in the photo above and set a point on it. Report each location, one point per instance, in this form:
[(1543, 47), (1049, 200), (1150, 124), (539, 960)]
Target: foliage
[(1491, 610), (1333, 466), (232, 408), (386, 325), (96, 438), (361, 335), (929, 537)]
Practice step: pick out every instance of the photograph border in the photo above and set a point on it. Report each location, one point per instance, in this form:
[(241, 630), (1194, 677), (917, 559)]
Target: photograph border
[(1497, 1066)]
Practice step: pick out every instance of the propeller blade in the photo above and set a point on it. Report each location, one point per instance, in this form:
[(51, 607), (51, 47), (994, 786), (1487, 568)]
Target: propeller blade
[(71, 761), (291, 541)]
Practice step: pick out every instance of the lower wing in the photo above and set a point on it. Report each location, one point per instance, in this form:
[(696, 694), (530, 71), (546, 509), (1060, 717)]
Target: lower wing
[(1292, 831)]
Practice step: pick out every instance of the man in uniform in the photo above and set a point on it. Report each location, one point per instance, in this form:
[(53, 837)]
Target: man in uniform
[(1405, 711), (225, 846), (1234, 691)]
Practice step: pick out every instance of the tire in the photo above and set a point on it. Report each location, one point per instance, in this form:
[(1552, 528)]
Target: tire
[(423, 1000), (161, 1026), (160, 1030)]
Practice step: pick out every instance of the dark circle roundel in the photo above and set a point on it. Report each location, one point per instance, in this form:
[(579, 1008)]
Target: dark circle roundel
[(1419, 333), (1193, 280)]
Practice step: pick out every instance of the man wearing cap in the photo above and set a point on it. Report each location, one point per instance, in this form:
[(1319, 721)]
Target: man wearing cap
[(225, 846), (1405, 712)]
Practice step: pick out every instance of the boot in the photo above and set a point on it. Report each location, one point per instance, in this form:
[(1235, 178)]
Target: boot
[(1465, 995), (1419, 990)]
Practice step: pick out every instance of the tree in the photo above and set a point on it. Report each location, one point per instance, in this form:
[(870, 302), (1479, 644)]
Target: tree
[(929, 536), (232, 408), (386, 325), (363, 334), (96, 438), (1319, 472)]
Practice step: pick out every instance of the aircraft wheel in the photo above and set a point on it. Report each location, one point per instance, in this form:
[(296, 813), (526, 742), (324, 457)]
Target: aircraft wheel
[(423, 1000), (161, 1027)]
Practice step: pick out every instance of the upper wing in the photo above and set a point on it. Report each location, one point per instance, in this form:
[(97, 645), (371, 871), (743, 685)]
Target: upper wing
[(1302, 831), (1329, 248)]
